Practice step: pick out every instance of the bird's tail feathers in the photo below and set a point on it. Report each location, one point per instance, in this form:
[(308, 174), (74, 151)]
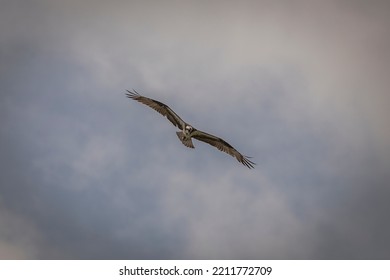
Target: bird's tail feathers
[(186, 141)]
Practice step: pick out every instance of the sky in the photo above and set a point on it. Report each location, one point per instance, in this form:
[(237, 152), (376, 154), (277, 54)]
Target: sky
[(300, 86)]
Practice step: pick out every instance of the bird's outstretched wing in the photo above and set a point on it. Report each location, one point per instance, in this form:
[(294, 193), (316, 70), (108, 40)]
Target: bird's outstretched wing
[(223, 146), (159, 107)]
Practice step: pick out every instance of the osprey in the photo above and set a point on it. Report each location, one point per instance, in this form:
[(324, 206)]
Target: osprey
[(187, 131)]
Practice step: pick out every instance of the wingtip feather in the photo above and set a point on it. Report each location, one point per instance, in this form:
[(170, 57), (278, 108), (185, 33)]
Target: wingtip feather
[(132, 95), (248, 163)]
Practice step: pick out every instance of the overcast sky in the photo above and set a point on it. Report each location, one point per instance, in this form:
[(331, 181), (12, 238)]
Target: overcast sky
[(301, 86)]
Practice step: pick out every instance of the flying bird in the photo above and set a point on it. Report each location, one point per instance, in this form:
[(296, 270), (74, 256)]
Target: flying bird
[(187, 131)]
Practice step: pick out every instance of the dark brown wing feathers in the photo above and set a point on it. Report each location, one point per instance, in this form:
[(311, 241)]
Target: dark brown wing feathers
[(223, 146), (158, 106)]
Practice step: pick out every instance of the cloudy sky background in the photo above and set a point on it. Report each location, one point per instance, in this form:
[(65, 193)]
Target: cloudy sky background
[(301, 86)]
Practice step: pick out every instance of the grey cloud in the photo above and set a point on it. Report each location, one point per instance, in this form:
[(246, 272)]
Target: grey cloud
[(88, 174)]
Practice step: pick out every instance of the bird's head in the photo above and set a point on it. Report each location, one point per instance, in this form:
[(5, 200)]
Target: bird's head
[(188, 129)]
